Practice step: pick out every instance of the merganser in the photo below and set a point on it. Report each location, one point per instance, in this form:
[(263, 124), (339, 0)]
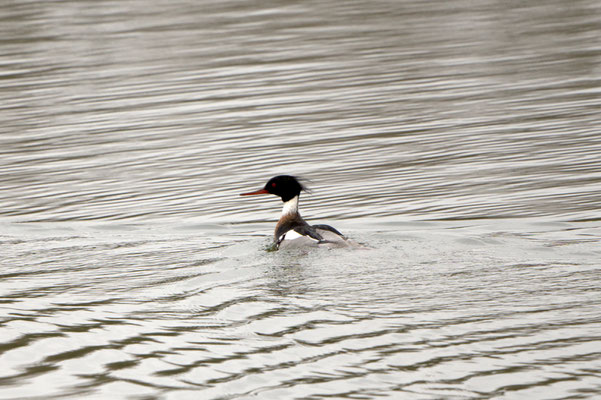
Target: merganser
[(292, 230)]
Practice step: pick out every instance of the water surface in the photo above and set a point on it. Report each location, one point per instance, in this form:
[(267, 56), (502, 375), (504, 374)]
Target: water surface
[(459, 140)]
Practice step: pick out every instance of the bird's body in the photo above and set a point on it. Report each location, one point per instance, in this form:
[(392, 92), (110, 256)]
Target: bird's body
[(292, 231)]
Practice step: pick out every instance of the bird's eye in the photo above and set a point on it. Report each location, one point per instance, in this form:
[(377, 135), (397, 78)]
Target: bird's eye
[(273, 185)]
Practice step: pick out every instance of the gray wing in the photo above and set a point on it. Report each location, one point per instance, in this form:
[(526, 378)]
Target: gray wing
[(308, 230), (302, 228), (327, 228)]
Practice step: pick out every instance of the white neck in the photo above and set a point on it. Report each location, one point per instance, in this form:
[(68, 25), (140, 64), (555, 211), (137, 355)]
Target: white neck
[(291, 206)]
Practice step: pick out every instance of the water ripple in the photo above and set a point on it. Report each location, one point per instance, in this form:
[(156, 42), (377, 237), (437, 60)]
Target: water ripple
[(131, 268)]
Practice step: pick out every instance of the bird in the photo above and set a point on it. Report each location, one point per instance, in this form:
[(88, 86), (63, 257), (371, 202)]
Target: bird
[(292, 231)]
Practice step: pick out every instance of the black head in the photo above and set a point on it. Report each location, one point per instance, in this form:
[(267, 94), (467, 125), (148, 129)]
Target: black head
[(285, 186)]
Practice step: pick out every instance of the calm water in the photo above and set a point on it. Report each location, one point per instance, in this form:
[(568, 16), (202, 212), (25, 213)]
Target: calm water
[(460, 140)]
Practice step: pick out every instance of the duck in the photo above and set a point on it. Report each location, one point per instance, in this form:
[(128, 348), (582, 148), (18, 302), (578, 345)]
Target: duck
[(291, 230)]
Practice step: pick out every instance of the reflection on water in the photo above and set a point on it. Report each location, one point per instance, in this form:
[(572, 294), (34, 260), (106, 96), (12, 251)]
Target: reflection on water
[(131, 268)]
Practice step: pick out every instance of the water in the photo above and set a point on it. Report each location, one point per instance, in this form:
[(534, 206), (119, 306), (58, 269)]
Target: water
[(459, 140)]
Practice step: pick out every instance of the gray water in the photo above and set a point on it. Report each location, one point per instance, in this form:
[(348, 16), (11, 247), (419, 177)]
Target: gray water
[(459, 140)]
